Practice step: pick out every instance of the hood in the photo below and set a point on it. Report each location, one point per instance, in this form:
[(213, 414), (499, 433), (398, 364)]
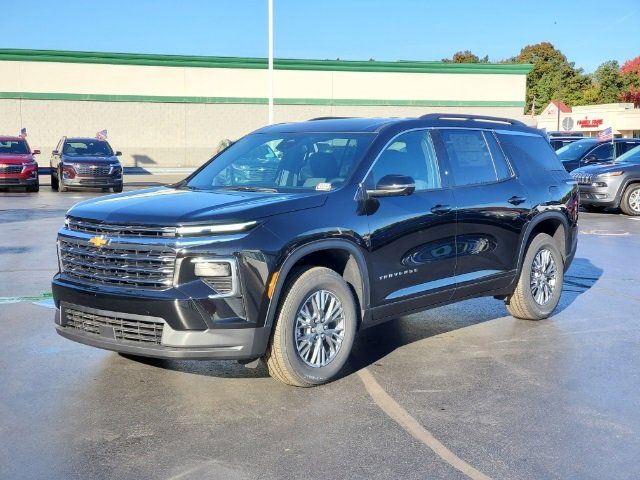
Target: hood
[(12, 158), (600, 168), (170, 206), (89, 159)]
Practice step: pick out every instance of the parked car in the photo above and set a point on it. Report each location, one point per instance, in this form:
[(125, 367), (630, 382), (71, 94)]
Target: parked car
[(85, 162), (589, 151), (611, 185), (559, 142), (365, 220), (18, 166)]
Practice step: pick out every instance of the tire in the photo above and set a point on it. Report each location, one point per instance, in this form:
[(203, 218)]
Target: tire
[(61, 186), (54, 182), (522, 303), (283, 359), (630, 203), (34, 188), (117, 188)]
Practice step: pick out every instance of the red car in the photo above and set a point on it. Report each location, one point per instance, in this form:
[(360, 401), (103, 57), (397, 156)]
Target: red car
[(18, 166)]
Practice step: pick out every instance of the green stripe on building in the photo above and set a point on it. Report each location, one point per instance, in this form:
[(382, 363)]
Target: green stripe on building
[(351, 102), (8, 54)]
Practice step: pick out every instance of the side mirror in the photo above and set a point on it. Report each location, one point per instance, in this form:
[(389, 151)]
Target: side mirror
[(393, 186), (55, 153), (118, 153), (35, 152)]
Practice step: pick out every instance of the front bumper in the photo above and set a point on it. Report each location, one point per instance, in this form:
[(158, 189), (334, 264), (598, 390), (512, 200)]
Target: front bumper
[(93, 182), (130, 333), (18, 180)]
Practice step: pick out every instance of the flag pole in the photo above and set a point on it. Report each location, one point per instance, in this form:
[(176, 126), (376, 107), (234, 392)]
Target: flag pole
[(270, 72)]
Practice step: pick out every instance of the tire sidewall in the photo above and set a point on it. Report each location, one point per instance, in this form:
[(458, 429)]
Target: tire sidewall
[(541, 242), (627, 206), (306, 284)]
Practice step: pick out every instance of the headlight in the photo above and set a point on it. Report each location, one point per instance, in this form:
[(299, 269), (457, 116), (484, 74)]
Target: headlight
[(221, 228), (611, 174), (218, 273)]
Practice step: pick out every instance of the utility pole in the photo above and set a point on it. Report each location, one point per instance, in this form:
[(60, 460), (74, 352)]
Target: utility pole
[(270, 70)]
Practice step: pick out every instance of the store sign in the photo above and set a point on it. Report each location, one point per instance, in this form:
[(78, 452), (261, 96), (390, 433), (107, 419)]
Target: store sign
[(594, 123)]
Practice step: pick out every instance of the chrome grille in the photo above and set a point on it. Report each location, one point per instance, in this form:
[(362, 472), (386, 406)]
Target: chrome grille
[(582, 178), (92, 170), (132, 330), (10, 169), (132, 266), (86, 226)]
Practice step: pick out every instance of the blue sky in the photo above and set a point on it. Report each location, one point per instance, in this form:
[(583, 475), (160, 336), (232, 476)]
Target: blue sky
[(588, 32)]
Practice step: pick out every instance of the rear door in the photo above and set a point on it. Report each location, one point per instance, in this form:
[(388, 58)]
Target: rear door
[(412, 238), (492, 207)]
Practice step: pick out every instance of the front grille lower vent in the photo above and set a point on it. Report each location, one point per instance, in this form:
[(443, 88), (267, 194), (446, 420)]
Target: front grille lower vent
[(127, 329)]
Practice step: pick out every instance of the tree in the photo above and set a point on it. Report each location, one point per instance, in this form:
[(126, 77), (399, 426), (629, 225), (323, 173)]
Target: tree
[(553, 77), (608, 82), (465, 57)]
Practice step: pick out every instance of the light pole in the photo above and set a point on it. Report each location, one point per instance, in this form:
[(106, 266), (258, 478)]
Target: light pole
[(270, 71)]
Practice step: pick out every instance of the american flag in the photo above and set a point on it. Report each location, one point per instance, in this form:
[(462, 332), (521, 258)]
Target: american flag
[(101, 135), (605, 135), (23, 132)]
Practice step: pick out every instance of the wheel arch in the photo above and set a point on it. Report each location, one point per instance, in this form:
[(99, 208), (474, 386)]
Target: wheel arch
[(554, 224), (340, 255)]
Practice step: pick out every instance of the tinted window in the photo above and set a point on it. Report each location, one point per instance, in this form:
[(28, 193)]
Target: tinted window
[(79, 148), (284, 161), (603, 152), (632, 156), (410, 154), (624, 147), (13, 146), (575, 151), (530, 149), (502, 168), (469, 157)]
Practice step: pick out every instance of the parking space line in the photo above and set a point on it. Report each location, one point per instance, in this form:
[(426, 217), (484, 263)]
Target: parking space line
[(395, 411)]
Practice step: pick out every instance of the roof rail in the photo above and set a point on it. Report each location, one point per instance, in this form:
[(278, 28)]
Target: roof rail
[(326, 118), (471, 118)]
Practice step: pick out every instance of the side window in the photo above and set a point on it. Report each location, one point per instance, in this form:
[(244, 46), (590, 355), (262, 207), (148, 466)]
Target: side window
[(603, 152), (624, 147), (411, 154), (502, 167), (469, 157), (529, 151)]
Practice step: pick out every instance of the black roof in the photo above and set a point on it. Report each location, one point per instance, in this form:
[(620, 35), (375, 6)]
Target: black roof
[(356, 124)]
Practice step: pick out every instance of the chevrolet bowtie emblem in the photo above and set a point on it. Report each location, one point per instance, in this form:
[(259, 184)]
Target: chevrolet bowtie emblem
[(98, 241)]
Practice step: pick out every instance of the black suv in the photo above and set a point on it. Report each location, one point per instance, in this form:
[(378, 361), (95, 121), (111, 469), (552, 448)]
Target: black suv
[(85, 162), (589, 151), (354, 222)]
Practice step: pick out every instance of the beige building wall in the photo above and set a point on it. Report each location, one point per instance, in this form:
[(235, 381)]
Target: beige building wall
[(623, 118), (175, 113)]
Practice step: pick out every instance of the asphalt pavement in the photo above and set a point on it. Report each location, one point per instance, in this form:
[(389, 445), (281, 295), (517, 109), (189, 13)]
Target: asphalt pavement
[(462, 391)]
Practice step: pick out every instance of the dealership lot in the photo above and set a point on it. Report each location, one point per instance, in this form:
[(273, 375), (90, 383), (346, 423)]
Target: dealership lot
[(507, 398)]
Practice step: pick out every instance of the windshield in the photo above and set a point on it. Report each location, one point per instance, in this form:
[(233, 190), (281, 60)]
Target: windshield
[(8, 147), (81, 148), (575, 150), (284, 162), (632, 156)]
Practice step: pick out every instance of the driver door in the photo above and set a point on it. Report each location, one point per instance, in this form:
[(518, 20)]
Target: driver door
[(412, 237)]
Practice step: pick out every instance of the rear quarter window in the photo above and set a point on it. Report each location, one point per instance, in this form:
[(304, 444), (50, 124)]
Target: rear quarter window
[(530, 150)]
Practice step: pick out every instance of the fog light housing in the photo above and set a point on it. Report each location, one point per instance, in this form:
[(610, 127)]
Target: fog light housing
[(218, 273)]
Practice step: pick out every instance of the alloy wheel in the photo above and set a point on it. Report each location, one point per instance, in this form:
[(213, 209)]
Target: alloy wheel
[(634, 200), (543, 277), (319, 329)]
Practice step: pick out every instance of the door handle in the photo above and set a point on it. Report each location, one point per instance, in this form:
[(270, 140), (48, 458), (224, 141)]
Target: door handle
[(440, 209), (515, 200)]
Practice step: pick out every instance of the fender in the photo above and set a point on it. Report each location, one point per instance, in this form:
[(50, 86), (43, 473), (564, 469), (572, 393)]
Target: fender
[(549, 214), (311, 247), (623, 187)]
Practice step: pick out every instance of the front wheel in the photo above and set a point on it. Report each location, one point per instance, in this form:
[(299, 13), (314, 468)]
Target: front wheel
[(314, 329), (540, 284), (34, 188), (117, 188), (630, 203)]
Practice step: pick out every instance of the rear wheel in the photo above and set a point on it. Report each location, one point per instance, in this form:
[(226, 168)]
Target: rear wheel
[(630, 203), (314, 329), (540, 284)]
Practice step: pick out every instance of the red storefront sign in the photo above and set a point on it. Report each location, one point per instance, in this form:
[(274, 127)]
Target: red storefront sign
[(586, 123)]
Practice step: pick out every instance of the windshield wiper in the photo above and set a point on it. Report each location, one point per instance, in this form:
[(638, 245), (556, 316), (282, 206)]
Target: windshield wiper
[(251, 189)]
